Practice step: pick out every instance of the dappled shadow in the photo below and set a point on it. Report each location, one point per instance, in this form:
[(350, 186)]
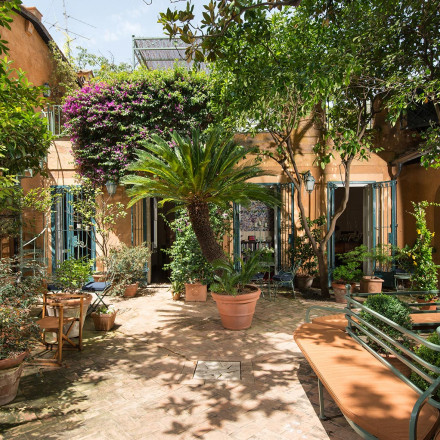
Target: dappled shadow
[(142, 374)]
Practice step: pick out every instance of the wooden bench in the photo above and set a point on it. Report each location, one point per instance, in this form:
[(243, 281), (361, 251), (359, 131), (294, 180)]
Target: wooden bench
[(377, 401)]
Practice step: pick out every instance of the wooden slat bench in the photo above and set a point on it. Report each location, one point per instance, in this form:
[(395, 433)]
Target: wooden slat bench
[(370, 393)]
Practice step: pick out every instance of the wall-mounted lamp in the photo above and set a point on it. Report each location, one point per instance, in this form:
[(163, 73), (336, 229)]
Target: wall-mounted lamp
[(111, 187), (46, 90), (309, 182)]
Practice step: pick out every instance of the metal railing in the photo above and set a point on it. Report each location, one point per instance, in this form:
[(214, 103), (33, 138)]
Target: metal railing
[(55, 120)]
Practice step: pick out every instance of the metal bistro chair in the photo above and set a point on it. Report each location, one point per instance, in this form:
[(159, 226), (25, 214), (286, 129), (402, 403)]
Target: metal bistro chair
[(258, 279), (285, 278), (101, 290), (57, 328)]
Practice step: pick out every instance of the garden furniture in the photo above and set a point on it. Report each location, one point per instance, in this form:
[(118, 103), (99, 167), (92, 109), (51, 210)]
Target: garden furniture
[(59, 327), (375, 398), (101, 290)]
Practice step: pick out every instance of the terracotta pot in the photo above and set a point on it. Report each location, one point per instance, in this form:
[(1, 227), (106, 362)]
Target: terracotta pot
[(371, 284), (71, 308), (196, 292), (427, 307), (236, 312), (176, 296), (103, 322), (99, 278), (304, 281), (340, 292), (131, 290), (10, 373)]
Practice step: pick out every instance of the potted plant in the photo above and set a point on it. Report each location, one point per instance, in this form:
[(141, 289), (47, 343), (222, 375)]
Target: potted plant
[(190, 271), (235, 297), (348, 273), (397, 311), (104, 318), (424, 276), (70, 276), (381, 256), (126, 267), (303, 252), (18, 332)]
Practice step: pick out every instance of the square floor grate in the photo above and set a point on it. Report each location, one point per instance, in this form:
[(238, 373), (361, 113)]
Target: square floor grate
[(217, 370)]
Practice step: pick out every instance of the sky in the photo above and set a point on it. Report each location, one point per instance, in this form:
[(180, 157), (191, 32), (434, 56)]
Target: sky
[(104, 27)]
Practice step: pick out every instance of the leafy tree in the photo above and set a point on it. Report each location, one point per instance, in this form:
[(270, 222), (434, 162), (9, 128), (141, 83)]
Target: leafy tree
[(24, 138), (289, 66), (195, 173)]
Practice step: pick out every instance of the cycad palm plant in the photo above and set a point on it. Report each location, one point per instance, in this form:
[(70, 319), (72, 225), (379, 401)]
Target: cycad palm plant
[(194, 173)]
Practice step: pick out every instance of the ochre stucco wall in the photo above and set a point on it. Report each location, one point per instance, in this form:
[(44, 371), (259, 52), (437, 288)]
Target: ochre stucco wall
[(416, 183), (28, 51)]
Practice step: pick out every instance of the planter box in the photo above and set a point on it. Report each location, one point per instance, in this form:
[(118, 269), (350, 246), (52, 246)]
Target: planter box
[(103, 323), (371, 284)]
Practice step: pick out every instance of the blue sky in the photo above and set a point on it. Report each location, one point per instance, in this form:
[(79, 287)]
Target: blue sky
[(107, 25)]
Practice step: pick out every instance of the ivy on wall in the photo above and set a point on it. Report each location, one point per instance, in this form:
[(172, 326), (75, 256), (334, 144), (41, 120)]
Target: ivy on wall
[(107, 120)]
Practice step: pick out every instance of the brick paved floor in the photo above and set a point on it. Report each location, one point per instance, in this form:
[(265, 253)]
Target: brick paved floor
[(136, 382)]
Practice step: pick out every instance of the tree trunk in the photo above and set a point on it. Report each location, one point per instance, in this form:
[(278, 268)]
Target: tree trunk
[(323, 273), (200, 221)]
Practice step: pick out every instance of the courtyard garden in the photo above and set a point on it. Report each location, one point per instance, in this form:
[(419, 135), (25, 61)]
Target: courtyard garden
[(179, 285)]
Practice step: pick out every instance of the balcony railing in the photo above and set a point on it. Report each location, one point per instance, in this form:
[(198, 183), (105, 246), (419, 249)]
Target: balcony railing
[(55, 120)]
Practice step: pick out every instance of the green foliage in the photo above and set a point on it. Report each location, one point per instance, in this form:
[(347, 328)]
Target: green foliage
[(23, 133), (108, 121), (93, 208), (424, 272), (350, 271), (72, 274), (204, 168), (392, 308), (126, 265), (432, 357), (233, 281), (188, 264), (104, 310), (302, 248), (6, 11), (17, 295), (102, 67), (63, 79)]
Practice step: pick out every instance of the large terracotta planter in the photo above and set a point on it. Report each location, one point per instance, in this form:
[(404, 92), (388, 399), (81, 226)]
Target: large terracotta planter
[(196, 292), (103, 322), (340, 291), (131, 290), (371, 284), (10, 373), (236, 312), (303, 281), (70, 308)]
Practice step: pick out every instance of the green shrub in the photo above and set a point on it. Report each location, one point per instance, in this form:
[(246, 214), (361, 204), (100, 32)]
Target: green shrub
[(431, 356), (187, 261), (72, 274), (392, 308)]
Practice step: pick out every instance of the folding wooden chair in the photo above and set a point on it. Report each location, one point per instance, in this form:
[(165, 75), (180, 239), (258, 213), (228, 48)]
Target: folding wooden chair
[(59, 326)]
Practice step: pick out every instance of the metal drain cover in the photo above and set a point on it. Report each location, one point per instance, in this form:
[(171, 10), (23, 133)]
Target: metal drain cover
[(217, 370)]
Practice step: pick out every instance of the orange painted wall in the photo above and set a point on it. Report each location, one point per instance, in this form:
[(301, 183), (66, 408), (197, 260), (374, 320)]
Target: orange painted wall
[(28, 51), (415, 184)]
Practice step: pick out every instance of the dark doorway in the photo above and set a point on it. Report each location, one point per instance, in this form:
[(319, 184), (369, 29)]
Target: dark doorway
[(162, 239), (350, 225)]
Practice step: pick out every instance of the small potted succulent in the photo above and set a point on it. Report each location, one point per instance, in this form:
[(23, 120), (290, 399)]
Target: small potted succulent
[(18, 332), (104, 318), (126, 267), (235, 297)]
